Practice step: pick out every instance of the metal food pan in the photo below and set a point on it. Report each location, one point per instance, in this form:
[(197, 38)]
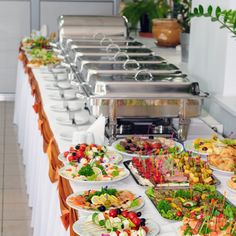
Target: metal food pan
[(119, 58), (127, 67)]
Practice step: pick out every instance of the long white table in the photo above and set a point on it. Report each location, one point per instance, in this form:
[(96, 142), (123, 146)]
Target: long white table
[(43, 195)]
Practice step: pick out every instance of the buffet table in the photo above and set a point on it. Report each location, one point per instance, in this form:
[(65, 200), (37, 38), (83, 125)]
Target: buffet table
[(47, 191)]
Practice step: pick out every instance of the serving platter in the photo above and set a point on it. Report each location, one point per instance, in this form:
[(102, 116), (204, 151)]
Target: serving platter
[(87, 210), (192, 202), (85, 228), (114, 157), (141, 182), (62, 171), (188, 145), (130, 155), (222, 172)]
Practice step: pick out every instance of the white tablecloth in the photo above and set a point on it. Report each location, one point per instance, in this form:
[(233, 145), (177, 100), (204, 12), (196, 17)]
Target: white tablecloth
[(43, 195)]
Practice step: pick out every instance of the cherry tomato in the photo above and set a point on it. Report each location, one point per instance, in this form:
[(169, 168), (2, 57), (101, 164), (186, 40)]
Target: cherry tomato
[(136, 221), (71, 158), (117, 232), (179, 213), (125, 214), (72, 149), (82, 147), (132, 215), (113, 213)]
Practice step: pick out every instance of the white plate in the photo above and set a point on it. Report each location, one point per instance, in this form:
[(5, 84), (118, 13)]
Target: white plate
[(64, 85), (223, 172), (188, 145), (61, 108), (67, 96), (126, 175), (79, 228), (128, 155), (67, 136), (66, 121), (91, 211), (116, 158), (51, 86)]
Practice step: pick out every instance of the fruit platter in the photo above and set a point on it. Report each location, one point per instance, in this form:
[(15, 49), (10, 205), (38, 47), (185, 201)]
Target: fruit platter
[(179, 203), (95, 172), (138, 146), (116, 222), (104, 199), (177, 170), (85, 153), (215, 219)]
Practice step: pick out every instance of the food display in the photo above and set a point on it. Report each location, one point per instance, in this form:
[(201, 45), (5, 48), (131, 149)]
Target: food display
[(85, 153), (116, 222), (215, 219), (42, 57), (104, 199), (176, 204), (36, 42), (93, 172), (177, 170), (147, 147), (224, 159), (232, 183)]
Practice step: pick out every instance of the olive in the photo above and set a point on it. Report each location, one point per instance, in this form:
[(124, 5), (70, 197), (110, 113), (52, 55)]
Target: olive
[(102, 208), (139, 214), (74, 154), (204, 149), (77, 147), (143, 222), (118, 211)]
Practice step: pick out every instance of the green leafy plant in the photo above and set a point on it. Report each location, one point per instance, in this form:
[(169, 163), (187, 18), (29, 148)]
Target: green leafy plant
[(182, 11), (135, 9), (227, 18)]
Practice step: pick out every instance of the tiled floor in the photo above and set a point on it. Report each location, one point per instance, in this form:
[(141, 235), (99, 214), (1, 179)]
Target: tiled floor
[(15, 215)]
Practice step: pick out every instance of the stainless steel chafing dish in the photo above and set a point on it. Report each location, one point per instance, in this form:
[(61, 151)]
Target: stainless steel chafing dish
[(101, 71), (91, 72), (77, 26), (74, 54), (143, 96)]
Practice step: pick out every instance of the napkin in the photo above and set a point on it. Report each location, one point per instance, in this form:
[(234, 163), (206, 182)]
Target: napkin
[(98, 130)]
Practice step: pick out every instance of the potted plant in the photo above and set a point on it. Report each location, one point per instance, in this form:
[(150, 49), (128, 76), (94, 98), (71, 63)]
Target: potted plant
[(168, 31), (144, 11), (182, 11)]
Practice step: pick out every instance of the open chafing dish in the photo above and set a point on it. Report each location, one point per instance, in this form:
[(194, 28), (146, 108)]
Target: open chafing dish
[(92, 72), (133, 101), (118, 58), (110, 52)]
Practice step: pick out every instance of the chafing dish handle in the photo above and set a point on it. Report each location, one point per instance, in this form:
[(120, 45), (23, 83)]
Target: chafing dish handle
[(144, 72), (128, 61), (120, 54), (112, 46), (109, 40)]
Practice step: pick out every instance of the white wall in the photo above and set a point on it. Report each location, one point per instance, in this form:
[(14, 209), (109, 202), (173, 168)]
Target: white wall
[(50, 11), (213, 52), (212, 61), (15, 24)]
